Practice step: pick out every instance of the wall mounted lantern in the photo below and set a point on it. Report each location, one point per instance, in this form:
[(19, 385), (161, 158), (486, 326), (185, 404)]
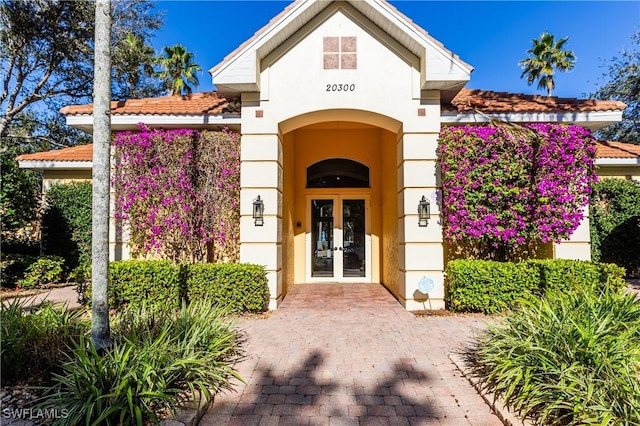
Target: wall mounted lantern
[(258, 212), (424, 211)]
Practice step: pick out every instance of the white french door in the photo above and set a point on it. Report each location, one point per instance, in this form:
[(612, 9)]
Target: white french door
[(338, 239)]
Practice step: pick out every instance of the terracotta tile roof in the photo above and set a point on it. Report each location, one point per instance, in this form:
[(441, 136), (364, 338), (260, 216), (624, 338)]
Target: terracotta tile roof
[(194, 104), (75, 153), (502, 102), (605, 149), (467, 100), (611, 149)]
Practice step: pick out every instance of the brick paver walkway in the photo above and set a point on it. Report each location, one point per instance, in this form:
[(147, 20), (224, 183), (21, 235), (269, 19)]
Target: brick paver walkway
[(349, 354)]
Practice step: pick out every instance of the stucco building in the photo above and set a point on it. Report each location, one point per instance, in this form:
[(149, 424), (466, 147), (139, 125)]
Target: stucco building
[(339, 105)]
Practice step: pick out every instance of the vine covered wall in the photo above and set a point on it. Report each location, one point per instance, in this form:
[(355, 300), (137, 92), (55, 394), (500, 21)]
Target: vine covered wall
[(507, 187), (179, 191)]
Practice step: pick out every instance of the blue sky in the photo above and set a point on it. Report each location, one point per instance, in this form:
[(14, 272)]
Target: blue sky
[(491, 36)]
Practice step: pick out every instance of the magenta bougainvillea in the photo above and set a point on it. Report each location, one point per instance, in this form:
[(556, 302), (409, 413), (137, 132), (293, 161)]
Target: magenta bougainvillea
[(507, 186), (179, 192)]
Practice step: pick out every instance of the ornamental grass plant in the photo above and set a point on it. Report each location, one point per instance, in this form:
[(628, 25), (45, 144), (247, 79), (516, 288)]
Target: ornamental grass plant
[(572, 358), (159, 358), (34, 340)]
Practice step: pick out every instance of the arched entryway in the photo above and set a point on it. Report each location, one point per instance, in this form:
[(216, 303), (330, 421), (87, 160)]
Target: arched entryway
[(401, 160), (340, 208)]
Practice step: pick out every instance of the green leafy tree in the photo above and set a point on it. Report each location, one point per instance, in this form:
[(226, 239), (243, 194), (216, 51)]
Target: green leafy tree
[(178, 71), (46, 53), (19, 194), (622, 83), (20, 188), (546, 56), (66, 222), (614, 218)]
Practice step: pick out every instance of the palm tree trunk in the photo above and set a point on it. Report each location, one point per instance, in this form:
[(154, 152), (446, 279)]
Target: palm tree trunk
[(100, 332)]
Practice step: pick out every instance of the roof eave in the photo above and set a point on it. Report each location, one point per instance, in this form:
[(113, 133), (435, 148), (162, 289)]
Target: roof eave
[(55, 165), (592, 120), (618, 162), (123, 122)]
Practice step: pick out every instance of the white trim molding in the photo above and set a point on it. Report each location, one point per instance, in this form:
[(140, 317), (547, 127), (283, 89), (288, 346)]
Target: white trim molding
[(130, 122), (621, 162), (593, 120), (55, 165)]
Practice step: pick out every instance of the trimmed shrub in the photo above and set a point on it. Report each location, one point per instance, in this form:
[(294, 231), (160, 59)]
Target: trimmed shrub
[(66, 222), (236, 287), (488, 286), (615, 223), (146, 283), (34, 341), (158, 355), (239, 287), (492, 287), (571, 359), (564, 275), (44, 270)]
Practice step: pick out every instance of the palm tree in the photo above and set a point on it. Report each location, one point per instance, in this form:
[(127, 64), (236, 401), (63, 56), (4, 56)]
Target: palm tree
[(133, 60), (100, 333), (178, 70), (547, 57)]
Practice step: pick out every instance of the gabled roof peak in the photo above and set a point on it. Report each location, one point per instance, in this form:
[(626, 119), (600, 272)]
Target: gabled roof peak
[(239, 70)]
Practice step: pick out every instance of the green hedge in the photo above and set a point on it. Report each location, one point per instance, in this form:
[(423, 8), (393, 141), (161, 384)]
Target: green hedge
[(143, 282), (241, 287), (66, 222), (488, 286), (237, 287), (614, 218), (492, 287), (565, 275)]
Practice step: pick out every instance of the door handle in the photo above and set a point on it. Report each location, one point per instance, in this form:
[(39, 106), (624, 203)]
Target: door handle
[(340, 248)]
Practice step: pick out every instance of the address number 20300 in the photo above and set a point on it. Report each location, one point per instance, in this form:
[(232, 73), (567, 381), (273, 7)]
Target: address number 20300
[(341, 87)]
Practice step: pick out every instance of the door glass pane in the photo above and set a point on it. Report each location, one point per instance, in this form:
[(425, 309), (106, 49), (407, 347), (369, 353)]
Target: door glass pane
[(353, 238), (322, 238)]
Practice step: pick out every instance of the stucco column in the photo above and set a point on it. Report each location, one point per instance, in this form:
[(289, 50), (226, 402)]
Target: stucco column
[(421, 250), (261, 175)]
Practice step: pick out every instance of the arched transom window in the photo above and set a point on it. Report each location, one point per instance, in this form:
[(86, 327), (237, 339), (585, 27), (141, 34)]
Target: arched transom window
[(338, 173)]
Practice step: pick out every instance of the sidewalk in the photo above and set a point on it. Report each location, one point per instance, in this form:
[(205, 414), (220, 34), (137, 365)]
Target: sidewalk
[(63, 295), (350, 354)]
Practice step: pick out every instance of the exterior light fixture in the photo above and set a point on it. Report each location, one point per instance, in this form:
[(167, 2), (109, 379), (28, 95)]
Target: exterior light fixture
[(258, 212), (424, 211)]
